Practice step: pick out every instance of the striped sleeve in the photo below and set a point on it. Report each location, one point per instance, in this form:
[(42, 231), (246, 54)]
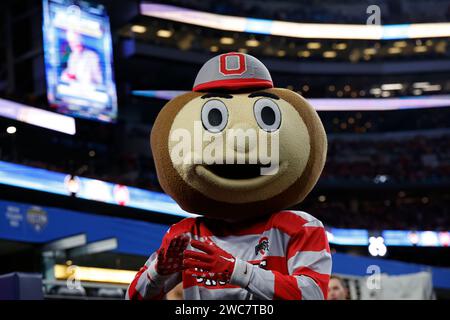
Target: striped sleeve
[(308, 263), (148, 284)]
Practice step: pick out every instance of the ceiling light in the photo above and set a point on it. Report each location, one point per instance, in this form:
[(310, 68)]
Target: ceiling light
[(421, 84), (252, 43), (400, 44), (313, 45), (281, 53), (163, 33), (226, 40), (392, 86), (420, 49), (370, 51), (394, 50), (138, 29), (375, 91), (340, 46), (435, 87), (304, 54), (329, 54), (11, 130)]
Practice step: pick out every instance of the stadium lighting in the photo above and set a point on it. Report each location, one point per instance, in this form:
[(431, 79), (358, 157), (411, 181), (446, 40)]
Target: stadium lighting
[(72, 184), (420, 49), (340, 46), (313, 45), (37, 117), (375, 91), (163, 33), (377, 247), (294, 29), (304, 54), (392, 86), (281, 53), (226, 40), (329, 236), (421, 84), (329, 54), (435, 87), (252, 43), (214, 48), (138, 29), (11, 130), (400, 44), (381, 178), (63, 272), (394, 50), (370, 51)]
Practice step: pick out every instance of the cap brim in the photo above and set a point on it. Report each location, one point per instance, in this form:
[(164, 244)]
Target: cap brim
[(234, 84)]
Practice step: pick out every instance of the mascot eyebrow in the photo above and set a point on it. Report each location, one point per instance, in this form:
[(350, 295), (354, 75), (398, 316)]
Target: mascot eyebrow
[(217, 95), (263, 94)]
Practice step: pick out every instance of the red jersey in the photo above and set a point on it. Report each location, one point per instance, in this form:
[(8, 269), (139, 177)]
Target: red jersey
[(288, 251)]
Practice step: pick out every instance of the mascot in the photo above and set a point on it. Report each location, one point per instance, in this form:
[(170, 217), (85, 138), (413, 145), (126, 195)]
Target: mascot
[(238, 152)]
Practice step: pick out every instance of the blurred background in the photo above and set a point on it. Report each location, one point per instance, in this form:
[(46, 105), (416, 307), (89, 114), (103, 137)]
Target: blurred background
[(81, 83)]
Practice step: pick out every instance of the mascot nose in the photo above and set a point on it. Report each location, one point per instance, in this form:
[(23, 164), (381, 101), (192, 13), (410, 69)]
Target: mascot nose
[(242, 138)]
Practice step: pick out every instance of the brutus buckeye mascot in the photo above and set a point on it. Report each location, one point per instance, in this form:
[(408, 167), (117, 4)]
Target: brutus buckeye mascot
[(244, 243)]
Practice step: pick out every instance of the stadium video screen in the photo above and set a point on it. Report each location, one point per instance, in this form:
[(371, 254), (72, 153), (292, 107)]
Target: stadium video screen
[(78, 59)]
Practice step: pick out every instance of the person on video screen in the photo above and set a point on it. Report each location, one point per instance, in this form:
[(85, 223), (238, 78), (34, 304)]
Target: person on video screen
[(83, 65)]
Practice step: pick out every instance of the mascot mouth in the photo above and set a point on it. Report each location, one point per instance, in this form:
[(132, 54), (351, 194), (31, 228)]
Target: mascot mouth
[(237, 171)]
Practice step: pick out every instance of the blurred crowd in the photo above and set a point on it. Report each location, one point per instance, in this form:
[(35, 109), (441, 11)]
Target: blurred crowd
[(400, 213), (416, 159)]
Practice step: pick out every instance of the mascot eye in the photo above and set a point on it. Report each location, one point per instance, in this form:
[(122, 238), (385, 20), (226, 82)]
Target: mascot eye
[(267, 114), (214, 116)]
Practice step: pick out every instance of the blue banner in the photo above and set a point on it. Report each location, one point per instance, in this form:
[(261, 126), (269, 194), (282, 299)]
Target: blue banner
[(37, 224)]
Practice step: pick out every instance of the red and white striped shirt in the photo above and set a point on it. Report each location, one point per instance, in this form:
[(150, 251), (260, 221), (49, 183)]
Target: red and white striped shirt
[(288, 251)]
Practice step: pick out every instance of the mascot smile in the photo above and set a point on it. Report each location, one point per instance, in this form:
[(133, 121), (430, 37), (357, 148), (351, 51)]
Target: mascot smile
[(238, 152)]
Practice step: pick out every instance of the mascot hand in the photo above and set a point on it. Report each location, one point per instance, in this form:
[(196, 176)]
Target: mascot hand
[(215, 263), (170, 260)]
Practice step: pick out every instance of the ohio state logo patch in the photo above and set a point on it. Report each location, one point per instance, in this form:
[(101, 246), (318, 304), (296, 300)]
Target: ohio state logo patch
[(262, 246), (231, 64)]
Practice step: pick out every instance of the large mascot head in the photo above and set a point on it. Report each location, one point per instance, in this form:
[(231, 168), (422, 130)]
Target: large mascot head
[(236, 147)]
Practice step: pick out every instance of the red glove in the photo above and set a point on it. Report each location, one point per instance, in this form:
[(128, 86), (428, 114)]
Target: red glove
[(213, 263), (171, 260)]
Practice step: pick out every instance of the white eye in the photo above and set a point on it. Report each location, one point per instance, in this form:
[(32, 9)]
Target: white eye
[(214, 116), (267, 114)]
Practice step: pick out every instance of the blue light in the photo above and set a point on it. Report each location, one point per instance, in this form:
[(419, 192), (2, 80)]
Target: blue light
[(396, 31), (90, 189), (260, 26)]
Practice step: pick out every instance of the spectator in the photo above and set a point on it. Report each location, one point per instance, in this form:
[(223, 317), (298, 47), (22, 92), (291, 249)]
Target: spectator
[(337, 290)]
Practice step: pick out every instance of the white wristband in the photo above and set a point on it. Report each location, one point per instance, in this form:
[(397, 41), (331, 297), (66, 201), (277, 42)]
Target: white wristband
[(241, 273)]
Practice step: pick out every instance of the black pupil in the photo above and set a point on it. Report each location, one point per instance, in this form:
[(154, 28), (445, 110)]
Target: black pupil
[(214, 117), (268, 115)]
